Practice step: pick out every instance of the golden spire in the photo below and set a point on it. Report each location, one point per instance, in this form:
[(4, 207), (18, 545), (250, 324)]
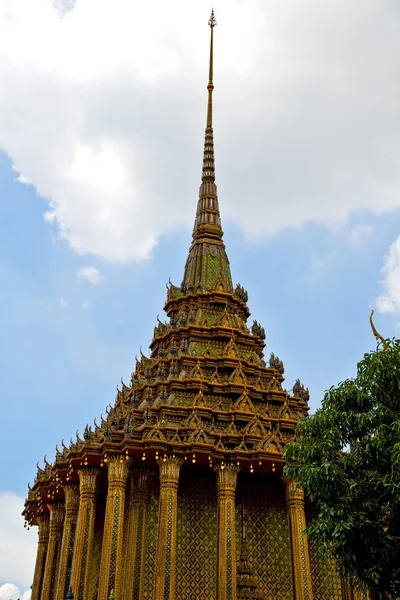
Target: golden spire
[(207, 266), (212, 23), (208, 158)]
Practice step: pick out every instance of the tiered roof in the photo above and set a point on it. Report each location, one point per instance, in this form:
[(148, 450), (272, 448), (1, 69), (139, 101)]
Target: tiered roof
[(205, 391)]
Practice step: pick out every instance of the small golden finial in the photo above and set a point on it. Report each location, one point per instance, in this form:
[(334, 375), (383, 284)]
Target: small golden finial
[(377, 335), (211, 21)]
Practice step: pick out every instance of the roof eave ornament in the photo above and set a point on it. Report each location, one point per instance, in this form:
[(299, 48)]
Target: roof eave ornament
[(378, 336)]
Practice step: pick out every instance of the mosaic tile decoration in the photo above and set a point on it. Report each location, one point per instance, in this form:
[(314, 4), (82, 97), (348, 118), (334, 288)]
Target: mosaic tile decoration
[(42, 571), (168, 558), (85, 516), (151, 543), (229, 557), (268, 535), (114, 535), (70, 555), (196, 552), (57, 544), (96, 550), (138, 556)]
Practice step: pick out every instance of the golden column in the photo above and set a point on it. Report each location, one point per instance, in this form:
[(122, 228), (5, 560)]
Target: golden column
[(299, 541), (347, 590), (226, 565), (136, 531), (349, 593), (43, 535), (112, 549), (71, 492), (169, 468), (83, 548), (53, 550)]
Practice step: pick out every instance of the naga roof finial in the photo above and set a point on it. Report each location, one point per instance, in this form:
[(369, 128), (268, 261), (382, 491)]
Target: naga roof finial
[(377, 335)]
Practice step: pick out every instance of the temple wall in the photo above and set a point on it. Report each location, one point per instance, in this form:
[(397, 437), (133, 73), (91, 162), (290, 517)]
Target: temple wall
[(267, 534), (196, 556), (264, 503), (97, 543), (326, 583), (151, 544)]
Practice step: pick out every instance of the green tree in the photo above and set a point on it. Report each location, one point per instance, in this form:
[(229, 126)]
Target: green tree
[(347, 459)]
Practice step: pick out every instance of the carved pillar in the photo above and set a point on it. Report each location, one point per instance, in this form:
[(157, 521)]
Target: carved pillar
[(136, 531), (71, 492), (226, 565), (112, 551), (53, 550), (43, 534), (166, 543), (83, 547), (299, 541), (347, 592)]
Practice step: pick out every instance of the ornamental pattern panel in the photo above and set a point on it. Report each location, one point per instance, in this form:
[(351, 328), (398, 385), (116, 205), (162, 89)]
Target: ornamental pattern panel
[(196, 552), (167, 582), (86, 516), (267, 533), (138, 556), (229, 557), (54, 566), (213, 270), (114, 536), (70, 555), (40, 586), (96, 553), (326, 583), (151, 542)]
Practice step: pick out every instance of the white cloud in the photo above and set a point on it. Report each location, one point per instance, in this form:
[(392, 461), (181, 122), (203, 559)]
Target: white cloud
[(17, 547), (9, 591), (63, 302), (110, 132), (91, 274), (389, 300), (63, 6), (85, 305), (360, 234)]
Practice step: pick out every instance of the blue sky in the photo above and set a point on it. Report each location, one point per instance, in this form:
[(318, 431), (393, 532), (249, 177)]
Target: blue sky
[(99, 173)]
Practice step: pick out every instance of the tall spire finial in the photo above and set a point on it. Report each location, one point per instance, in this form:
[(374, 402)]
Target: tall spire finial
[(212, 23), (207, 266), (208, 159)]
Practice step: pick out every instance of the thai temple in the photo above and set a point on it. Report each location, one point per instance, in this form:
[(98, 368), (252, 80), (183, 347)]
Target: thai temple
[(178, 493)]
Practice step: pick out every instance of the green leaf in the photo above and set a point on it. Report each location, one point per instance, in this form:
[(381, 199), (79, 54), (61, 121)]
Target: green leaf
[(347, 458)]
